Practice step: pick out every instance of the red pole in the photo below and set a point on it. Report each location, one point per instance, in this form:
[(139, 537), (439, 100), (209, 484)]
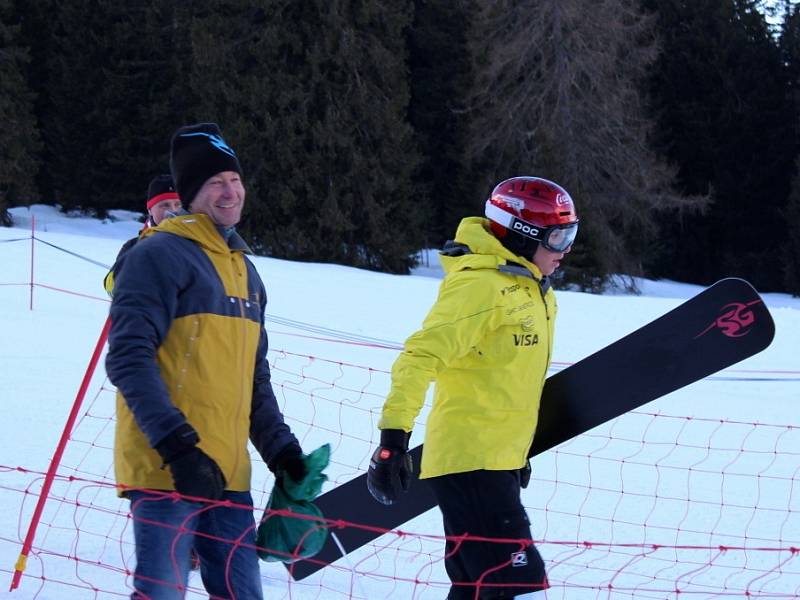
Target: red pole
[(33, 228), (56, 460)]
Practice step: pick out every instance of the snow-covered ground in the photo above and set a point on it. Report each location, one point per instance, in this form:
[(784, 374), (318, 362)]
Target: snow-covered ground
[(698, 492)]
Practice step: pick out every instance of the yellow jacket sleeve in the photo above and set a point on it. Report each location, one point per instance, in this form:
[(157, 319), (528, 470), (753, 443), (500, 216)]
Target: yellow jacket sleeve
[(465, 310)]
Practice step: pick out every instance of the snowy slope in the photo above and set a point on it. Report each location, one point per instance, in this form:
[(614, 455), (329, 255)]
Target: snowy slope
[(720, 463)]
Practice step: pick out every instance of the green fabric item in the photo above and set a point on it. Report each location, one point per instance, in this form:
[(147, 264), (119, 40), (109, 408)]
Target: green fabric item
[(288, 538), (311, 485)]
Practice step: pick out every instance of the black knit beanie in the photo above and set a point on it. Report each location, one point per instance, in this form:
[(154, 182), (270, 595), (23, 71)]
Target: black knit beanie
[(197, 153)]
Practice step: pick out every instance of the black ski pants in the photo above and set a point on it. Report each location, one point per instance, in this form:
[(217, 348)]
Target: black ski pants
[(487, 504)]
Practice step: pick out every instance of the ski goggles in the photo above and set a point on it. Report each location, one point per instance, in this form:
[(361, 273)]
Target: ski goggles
[(559, 237), (556, 238)]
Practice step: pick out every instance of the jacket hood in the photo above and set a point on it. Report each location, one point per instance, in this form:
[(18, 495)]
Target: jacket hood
[(484, 251)]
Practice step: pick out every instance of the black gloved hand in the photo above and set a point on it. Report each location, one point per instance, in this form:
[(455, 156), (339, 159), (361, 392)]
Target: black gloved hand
[(290, 462), (391, 467), (194, 473)]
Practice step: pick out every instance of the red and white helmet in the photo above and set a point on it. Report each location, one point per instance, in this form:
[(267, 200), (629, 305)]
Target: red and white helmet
[(526, 211)]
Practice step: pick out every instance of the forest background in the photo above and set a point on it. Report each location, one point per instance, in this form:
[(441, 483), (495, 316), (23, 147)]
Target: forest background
[(368, 128)]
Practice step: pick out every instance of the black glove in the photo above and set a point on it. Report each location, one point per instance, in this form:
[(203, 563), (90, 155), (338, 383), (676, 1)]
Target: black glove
[(194, 473), (289, 461), (391, 466)]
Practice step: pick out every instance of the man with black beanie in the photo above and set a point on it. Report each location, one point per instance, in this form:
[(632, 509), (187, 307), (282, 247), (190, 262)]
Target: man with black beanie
[(187, 352)]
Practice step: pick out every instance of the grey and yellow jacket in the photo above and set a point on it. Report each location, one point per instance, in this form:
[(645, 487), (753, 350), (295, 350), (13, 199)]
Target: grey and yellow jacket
[(487, 343), (187, 344)]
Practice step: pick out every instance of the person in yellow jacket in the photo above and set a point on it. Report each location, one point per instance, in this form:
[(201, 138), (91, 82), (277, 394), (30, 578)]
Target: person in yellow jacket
[(187, 352), (487, 343)]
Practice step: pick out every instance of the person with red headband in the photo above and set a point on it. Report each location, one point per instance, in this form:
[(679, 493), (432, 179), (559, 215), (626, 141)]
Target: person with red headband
[(487, 344), (162, 202)]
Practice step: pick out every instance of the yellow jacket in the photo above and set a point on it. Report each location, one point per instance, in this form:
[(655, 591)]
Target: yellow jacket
[(487, 343), (187, 344)]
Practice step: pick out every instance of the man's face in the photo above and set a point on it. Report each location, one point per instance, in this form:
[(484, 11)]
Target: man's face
[(221, 198), (157, 211)]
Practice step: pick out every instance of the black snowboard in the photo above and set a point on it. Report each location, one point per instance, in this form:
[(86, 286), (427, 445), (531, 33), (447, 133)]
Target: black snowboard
[(719, 327)]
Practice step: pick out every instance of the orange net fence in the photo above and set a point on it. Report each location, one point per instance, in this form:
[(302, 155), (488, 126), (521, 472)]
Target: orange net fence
[(652, 505)]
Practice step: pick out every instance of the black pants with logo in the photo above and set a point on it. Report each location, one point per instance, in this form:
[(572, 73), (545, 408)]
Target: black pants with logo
[(487, 504)]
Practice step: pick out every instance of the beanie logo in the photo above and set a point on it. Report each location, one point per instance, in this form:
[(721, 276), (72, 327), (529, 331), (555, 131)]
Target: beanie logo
[(215, 140)]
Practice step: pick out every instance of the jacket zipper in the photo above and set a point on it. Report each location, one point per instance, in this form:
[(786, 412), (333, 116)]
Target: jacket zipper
[(243, 346)]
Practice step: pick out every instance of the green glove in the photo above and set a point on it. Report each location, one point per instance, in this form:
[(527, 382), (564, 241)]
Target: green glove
[(289, 538)]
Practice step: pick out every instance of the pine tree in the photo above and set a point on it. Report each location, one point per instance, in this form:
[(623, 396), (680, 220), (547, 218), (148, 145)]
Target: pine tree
[(19, 161), (143, 99), (559, 97), (726, 121), (441, 79), (791, 252), (70, 58), (111, 95), (790, 48), (313, 95)]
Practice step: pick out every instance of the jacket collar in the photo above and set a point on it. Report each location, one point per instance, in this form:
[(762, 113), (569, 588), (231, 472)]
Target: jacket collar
[(201, 229), (476, 248)]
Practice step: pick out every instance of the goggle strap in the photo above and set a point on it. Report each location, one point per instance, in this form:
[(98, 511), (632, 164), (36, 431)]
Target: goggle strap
[(509, 221)]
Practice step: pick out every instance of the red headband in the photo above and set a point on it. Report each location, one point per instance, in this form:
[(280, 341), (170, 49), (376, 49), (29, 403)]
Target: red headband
[(161, 197)]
